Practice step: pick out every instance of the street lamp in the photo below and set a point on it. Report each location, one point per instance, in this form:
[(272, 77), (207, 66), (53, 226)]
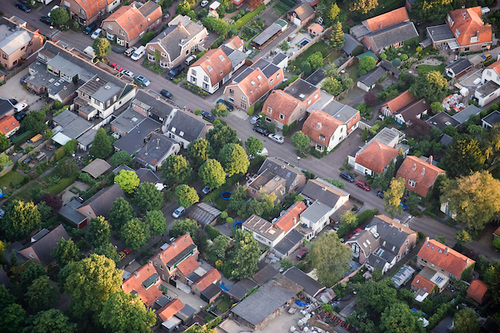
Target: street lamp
[(298, 160)]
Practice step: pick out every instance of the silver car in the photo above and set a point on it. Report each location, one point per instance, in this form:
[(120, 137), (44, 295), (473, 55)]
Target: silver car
[(128, 73), (276, 138)]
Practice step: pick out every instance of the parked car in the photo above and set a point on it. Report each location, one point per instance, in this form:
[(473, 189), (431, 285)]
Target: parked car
[(229, 106), (207, 189), (207, 115), (20, 116), (167, 94), (89, 28), (96, 33), (24, 7), (204, 3), (46, 20), (139, 53), (128, 73), (116, 66), (174, 72), (364, 185), (142, 80), (178, 212), (380, 194), (127, 251), (261, 130), (302, 254), (21, 106), (277, 138), (128, 52), (255, 119), (347, 176)]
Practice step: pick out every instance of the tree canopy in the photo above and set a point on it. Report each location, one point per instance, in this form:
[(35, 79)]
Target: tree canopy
[(156, 222), (432, 86), (51, 321), (127, 180), (35, 121), (465, 321), (101, 146), (199, 151), (186, 195), (234, 159), (398, 318), (330, 257), (99, 231), (121, 157), (59, 15), (220, 110), (366, 64), (363, 6), (12, 319), (221, 135), (463, 157), (65, 252), (182, 227), (245, 256), (135, 234), (109, 251), (301, 141), (41, 295), (253, 146), (176, 170), (101, 47), (212, 173), (147, 197), (337, 39), (121, 212), (21, 219), (392, 197)]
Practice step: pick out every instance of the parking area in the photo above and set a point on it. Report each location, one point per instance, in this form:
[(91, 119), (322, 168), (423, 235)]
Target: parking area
[(13, 89)]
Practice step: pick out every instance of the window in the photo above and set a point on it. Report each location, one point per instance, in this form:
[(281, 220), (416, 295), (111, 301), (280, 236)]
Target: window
[(205, 86), (243, 98), (231, 99), (151, 48), (322, 138), (411, 182), (122, 32), (282, 116), (278, 76), (309, 101), (205, 78), (82, 11), (163, 55), (4, 56), (22, 48), (243, 105), (271, 82), (109, 27), (193, 79), (193, 71), (315, 95), (457, 33), (269, 110), (231, 92)]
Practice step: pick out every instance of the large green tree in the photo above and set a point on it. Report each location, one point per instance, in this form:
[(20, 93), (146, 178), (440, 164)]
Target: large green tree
[(221, 135), (198, 152), (35, 121), (392, 197), (135, 234), (398, 318), (315, 60), (234, 159), (147, 197), (21, 219), (121, 212), (337, 39), (99, 231), (123, 312), (465, 321), (4, 142), (330, 257), (156, 222), (432, 10), (246, 254), (32, 272), (366, 64), (220, 245), (212, 173), (475, 199), (301, 141), (332, 86), (176, 170), (220, 110), (12, 319), (463, 157), (91, 281), (41, 295), (253, 146), (109, 251), (101, 47), (127, 180), (65, 252), (59, 15), (121, 157), (51, 321), (102, 146), (431, 85), (182, 227), (6, 298), (186, 195), (363, 6)]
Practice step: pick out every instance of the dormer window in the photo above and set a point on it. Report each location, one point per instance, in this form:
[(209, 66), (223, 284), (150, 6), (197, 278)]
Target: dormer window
[(457, 33), (322, 138), (411, 182), (450, 20), (269, 110)]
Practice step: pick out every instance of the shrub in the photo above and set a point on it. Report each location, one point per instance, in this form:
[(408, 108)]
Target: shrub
[(366, 215), (197, 112), (223, 215), (229, 220), (58, 104), (287, 129), (248, 17), (251, 111), (212, 232)]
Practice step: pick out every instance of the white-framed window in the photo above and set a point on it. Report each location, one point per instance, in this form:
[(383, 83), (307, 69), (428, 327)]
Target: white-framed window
[(205, 78), (122, 32), (411, 182), (151, 48), (82, 11), (282, 116), (243, 98), (271, 82), (163, 55), (243, 105), (269, 110), (109, 26), (309, 101), (278, 76), (322, 138), (231, 99), (231, 92)]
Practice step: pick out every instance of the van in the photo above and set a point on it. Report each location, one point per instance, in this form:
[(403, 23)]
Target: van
[(190, 60), (139, 53)]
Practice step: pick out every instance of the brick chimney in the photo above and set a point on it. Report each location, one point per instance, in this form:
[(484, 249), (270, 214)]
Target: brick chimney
[(431, 159)]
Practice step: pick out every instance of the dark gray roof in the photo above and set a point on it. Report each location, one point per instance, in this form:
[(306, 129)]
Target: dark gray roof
[(391, 35), (241, 288), (134, 141), (128, 120), (282, 169), (156, 150), (466, 113), (459, 66), (265, 274), (493, 118), (158, 108), (413, 110), (372, 76), (311, 286), (440, 33), (257, 307), (350, 44), (445, 140), (69, 212), (5, 107), (488, 88), (279, 58), (203, 213), (211, 291), (316, 77), (185, 313), (267, 68), (385, 64), (73, 125), (361, 238), (444, 325), (187, 126), (300, 89), (323, 192), (441, 120), (146, 175), (243, 74), (289, 242), (4, 279), (43, 247), (102, 201), (267, 34)]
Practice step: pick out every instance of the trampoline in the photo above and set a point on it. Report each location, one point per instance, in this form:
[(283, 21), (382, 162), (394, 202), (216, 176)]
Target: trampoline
[(237, 224), (226, 195)]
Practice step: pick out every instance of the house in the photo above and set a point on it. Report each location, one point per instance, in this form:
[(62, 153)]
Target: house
[(478, 291), (211, 293), (211, 277), (85, 12), (458, 68), (419, 175), (411, 112), (263, 231), (17, 43), (128, 24), (312, 288), (68, 126), (382, 244), (491, 120), (269, 34), (324, 130), (177, 260), (9, 126), (99, 204), (152, 106), (6, 107), (126, 122), (344, 113), (290, 218), (176, 42), (291, 242), (138, 136), (316, 78), (368, 81), (464, 31), (295, 179), (40, 248), (156, 150), (352, 46), (144, 283), (301, 14), (167, 314), (253, 83), (464, 115), (315, 30), (374, 158), (441, 120), (323, 200), (240, 289), (203, 213), (184, 127), (268, 183), (396, 104), (235, 43), (97, 168)]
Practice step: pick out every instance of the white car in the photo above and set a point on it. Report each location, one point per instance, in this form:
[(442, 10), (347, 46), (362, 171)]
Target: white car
[(276, 138), (21, 106), (128, 73), (178, 212), (255, 119), (96, 33), (207, 189), (204, 3)]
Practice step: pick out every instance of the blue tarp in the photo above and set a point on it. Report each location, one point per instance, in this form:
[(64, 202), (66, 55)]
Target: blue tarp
[(223, 287), (300, 303)]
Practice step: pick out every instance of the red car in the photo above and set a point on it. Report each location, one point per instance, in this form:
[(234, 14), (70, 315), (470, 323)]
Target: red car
[(127, 251), (365, 186), (116, 66), (302, 254)]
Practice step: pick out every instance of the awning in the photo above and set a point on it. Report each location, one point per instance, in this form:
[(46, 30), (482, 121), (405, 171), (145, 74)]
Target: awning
[(453, 45), (61, 139)]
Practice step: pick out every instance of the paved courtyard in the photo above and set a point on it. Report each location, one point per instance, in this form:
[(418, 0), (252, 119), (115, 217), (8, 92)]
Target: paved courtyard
[(13, 89)]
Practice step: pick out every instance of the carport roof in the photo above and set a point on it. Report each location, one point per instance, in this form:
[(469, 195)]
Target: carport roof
[(97, 167), (466, 113)]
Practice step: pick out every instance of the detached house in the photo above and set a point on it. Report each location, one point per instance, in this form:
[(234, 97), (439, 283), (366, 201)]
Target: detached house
[(86, 12), (344, 113), (184, 127), (9, 126), (394, 105), (490, 84), (129, 23), (324, 130), (419, 175), (144, 283), (41, 245), (178, 41), (294, 177), (374, 158), (301, 14), (411, 112)]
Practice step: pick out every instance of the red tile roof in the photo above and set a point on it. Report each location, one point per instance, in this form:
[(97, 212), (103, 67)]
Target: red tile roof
[(385, 20), (399, 102), (477, 290), (291, 217), (254, 86), (130, 19), (216, 65), (235, 43), (423, 284), (376, 156), (423, 175), (187, 266), (316, 28), (212, 276), (175, 248), (135, 283), (92, 7), (466, 23), (495, 66), (8, 124), (321, 124), (444, 257), (280, 102), (170, 310)]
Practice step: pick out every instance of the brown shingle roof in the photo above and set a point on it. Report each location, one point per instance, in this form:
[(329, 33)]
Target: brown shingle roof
[(291, 217), (423, 284), (422, 173), (477, 290), (216, 65), (385, 20), (212, 276), (130, 19), (254, 85), (321, 124), (399, 102), (92, 7), (171, 309), (151, 11), (280, 102), (148, 294), (468, 23), (174, 249), (188, 266), (376, 156)]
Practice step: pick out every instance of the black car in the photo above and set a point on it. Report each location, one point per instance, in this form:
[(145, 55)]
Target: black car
[(207, 115), (117, 49), (89, 29), (229, 106), (174, 72), (380, 194), (261, 130), (20, 116), (347, 176), (46, 20), (24, 7), (165, 93)]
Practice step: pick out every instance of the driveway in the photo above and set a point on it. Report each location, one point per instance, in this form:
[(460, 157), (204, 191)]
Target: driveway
[(13, 89)]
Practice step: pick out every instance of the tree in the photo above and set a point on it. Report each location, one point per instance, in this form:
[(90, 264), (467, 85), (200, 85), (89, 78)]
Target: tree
[(432, 86), (91, 281), (101, 47), (60, 16), (253, 4), (337, 39), (253, 146), (220, 245), (463, 157), (4, 142), (12, 319), (121, 212), (234, 159), (437, 107), (475, 199), (216, 25), (315, 60), (212, 173), (284, 46), (51, 321), (333, 12), (348, 217), (53, 201), (363, 6), (121, 157), (65, 252), (370, 99), (330, 257), (156, 222), (123, 312), (465, 321), (6, 298), (198, 152), (32, 272), (21, 219), (4, 161), (392, 197), (182, 227), (332, 86), (101, 146), (99, 231), (109, 251), (35, 121), (463, 237), (221, 135), (432, 10), (245, 256), (127, 180), (41, 295), (176, 170), (135, 234), (186, 195), (67, 168), (366, 64), (147, 197), (331, 70), (398, 318), (220, 110), (396, 62), (301, 141), (286, 263)]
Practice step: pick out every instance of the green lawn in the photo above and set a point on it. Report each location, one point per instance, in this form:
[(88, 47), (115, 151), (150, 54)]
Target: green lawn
[(10, 180), (224, 304), (423, 69), (320, 46), (385, 6)]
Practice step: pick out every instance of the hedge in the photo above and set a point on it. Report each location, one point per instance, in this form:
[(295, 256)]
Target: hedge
[(248, 17), (366, 215)]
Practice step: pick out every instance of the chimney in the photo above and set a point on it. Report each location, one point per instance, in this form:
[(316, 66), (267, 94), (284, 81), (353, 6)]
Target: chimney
[(431, 159), (426, 239), (179, 24), (136, 274), (446, 250)]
